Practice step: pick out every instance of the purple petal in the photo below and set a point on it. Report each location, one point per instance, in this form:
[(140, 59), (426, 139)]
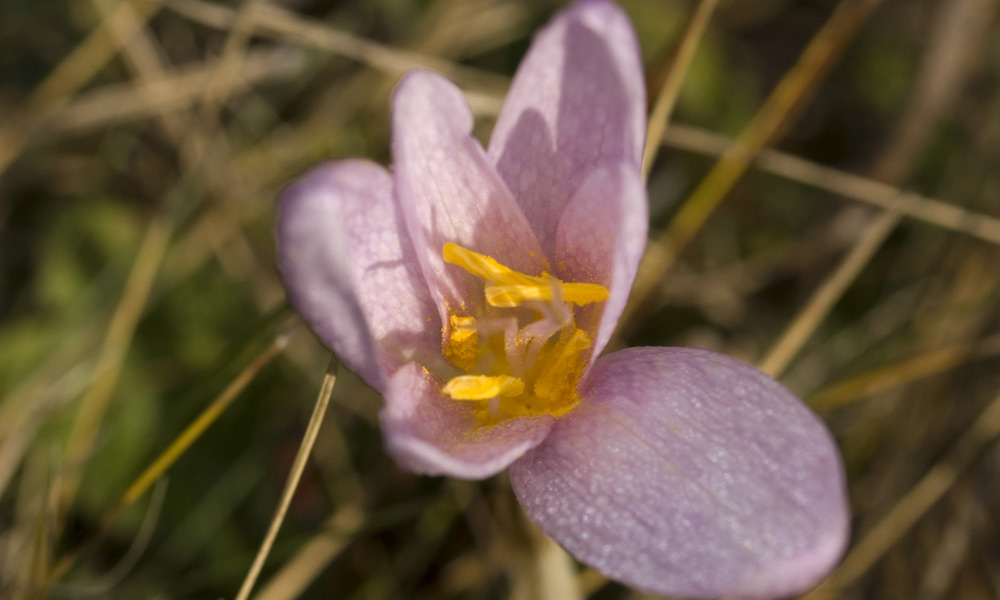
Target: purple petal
[(450, 192), (689, 473), (600, 239), (577, 102), (430, 434), (350, 270)]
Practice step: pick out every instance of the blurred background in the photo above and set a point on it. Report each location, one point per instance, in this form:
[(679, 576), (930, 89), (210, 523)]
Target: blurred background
[(143, 144)]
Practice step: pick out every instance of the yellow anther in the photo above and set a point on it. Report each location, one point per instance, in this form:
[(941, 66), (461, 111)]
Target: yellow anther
[(584, 293), (506, 296), (462, 327), (482, 387), (564, 368), (462, 349), (485, 267)]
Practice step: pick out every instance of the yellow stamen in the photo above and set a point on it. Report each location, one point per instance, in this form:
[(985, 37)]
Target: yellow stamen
[(513, 288), (536, 365), (507, 296), (482, 387), (485, 267)]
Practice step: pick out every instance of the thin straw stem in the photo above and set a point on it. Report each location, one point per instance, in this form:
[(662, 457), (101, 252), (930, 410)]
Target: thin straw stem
[(312, 429)]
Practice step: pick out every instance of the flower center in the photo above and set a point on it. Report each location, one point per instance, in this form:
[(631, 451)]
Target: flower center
[(524, 356)]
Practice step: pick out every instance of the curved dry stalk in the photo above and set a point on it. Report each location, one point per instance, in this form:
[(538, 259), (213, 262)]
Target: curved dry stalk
[(312, 429)]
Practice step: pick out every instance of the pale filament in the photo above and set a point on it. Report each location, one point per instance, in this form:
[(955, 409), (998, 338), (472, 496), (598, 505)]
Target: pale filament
[(554, 318), (507, 326)]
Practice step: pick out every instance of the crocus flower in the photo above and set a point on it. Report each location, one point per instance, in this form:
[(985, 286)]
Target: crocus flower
[(475, 290)]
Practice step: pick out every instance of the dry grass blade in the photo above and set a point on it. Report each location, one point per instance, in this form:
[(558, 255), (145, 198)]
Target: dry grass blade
[(139, 50), (90, 56), (300, 570), (790, 95), (953, 549), (914, 504), (29, 543), (125, 102), (961, 27), (820, 304), (146, 62), (226, 74), (25, 410), (667, 97), (197, 427), (555, 575), (901, 373), (312, 429), (183, 441), (943, 70), (78, 68), (116, 341), (848, 185), (106, 583), (170, 93), (280, 24)]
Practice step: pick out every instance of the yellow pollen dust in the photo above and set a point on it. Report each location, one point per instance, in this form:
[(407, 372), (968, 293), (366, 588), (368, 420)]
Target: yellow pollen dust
[(524, 368)]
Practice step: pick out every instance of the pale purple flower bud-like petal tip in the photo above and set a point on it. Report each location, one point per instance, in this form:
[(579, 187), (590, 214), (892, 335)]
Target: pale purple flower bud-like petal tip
[(675, 471)]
